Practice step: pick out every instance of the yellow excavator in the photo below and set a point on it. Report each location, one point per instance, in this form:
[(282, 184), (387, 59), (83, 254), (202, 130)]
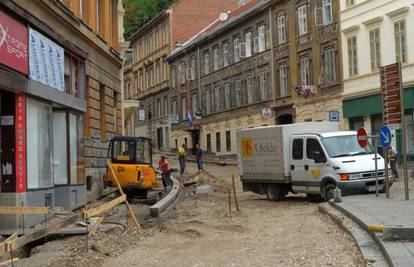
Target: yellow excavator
[(131, 160)]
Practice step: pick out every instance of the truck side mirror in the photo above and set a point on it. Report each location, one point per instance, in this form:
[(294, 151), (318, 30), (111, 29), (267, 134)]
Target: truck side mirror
[(317, 157)]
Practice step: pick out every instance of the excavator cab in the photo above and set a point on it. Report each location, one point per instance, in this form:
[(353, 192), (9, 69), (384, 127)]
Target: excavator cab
[(131, 160)]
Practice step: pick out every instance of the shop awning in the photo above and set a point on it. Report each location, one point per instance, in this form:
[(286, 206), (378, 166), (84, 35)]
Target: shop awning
[(369, 105)]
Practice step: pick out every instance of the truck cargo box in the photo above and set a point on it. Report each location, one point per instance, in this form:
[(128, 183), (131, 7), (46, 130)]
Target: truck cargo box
[(264, 152)]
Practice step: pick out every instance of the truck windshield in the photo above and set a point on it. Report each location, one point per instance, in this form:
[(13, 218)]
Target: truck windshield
[(345, 146)]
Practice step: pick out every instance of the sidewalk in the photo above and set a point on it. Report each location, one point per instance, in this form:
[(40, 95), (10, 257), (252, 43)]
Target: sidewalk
[(393, 212)]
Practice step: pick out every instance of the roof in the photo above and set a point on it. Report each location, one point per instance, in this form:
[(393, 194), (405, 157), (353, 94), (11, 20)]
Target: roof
[(216, 27)]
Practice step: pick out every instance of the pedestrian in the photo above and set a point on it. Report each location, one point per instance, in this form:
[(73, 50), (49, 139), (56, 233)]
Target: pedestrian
[(165, 169), (181, 158), (393, 154), (199, 156)]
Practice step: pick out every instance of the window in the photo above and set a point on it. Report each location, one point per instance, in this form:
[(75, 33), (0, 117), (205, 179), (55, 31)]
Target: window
[(60, 152), (304, 71), (302, 20), (208, 140), (263, 86), (352, 56), (164, 72), (375, 49), (39, 145), (208, 101), (158, 107), (250, 82), (400, 41), (283, 80), (98, 13), (262, 38), (350, 3), (323, 14), (165, 105), (174, 107), (173, 77), (227, 103), (73, 148), (194, 102), (102, 109), (237, 89), (206, 63), (312, 146), (218, 142), (158, 72), (376, 124), (228, 141), (226, 54), (81, 9), (193, 68), (181, 72), (248, 42), (216, 59), (356, 123), (330, 75), (74, 75), (236, 47), (183, 108), (217, 99), (281, 30), (297, 149)]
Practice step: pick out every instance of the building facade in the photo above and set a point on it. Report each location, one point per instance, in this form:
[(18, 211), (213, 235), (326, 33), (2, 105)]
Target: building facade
[(221, 80), (308, 61), (150, 45), (60, 100), (375, 34)]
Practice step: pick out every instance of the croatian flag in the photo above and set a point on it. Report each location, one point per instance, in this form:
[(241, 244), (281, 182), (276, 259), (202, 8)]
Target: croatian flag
[(190, 116)]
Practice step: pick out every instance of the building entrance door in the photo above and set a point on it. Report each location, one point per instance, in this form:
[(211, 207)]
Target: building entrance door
[(195, 138), (159, 138)]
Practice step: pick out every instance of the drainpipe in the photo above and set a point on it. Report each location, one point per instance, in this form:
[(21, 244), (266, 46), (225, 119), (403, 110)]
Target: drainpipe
[(272, 56)]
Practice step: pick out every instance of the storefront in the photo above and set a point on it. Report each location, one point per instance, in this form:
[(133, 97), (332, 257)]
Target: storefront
[(42, 90), (367, 112)]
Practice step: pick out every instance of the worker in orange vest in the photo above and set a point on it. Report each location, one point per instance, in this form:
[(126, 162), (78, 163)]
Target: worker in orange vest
[(165, 169)]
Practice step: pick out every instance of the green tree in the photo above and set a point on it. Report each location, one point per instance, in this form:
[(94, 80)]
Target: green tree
[(139, 12)]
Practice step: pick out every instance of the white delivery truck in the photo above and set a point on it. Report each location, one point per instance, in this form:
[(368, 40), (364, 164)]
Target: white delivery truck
[(312, 158)]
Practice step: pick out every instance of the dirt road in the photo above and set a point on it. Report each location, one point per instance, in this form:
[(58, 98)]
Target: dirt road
[(264, 233)]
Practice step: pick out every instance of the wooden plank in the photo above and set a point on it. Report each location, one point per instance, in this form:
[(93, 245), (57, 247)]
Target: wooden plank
[(7, 244), (95, 227), (23, 210), (51, 228), (104, 207), (122, 193)]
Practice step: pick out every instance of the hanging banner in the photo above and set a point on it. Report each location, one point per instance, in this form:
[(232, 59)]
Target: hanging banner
[(46, 61), (20, 143), (13, 43)]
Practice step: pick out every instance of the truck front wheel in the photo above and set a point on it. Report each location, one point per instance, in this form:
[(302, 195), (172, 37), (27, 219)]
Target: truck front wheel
[(328, 191), (275, 192)]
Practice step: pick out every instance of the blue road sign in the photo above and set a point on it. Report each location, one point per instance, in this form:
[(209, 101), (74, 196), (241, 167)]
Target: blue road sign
[(334, 115), (385, 136)]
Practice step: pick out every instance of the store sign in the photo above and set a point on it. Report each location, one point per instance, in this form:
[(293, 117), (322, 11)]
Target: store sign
[(20, 143), (267, 113), (7, 120), (13, 43), (46, 61), (391, 94)]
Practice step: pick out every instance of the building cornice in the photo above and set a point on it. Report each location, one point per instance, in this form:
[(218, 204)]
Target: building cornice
[(370, 23), (399, 13), (351, 30)]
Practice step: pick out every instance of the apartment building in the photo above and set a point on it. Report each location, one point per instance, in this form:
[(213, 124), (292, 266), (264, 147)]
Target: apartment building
[(221, 80), (308, 69), (60, 100), (151, 44), (375, 34)]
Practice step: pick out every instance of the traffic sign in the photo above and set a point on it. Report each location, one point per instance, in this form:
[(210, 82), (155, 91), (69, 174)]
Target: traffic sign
[(391, 94), (385, 136), (362, 137)]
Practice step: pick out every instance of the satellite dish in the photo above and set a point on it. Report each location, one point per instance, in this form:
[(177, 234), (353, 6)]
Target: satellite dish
[(223, 16)]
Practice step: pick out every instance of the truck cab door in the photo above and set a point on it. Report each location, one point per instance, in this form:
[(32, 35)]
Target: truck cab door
[(297, 165), (314, 165)]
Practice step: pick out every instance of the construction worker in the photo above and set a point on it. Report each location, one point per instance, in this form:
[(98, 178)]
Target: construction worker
[(181, 158), (199, 155), (165, 169)]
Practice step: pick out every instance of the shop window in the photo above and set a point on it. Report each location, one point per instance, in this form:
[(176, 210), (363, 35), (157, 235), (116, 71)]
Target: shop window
[(356, 123), (73, 148), (60, 149), (39, 145), (376, 123)]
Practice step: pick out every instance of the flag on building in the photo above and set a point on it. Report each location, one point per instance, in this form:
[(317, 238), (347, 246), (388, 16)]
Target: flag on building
[(189, 116)]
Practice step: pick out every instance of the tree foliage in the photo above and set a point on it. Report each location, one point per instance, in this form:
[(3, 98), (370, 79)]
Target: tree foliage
[(139, 12)]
